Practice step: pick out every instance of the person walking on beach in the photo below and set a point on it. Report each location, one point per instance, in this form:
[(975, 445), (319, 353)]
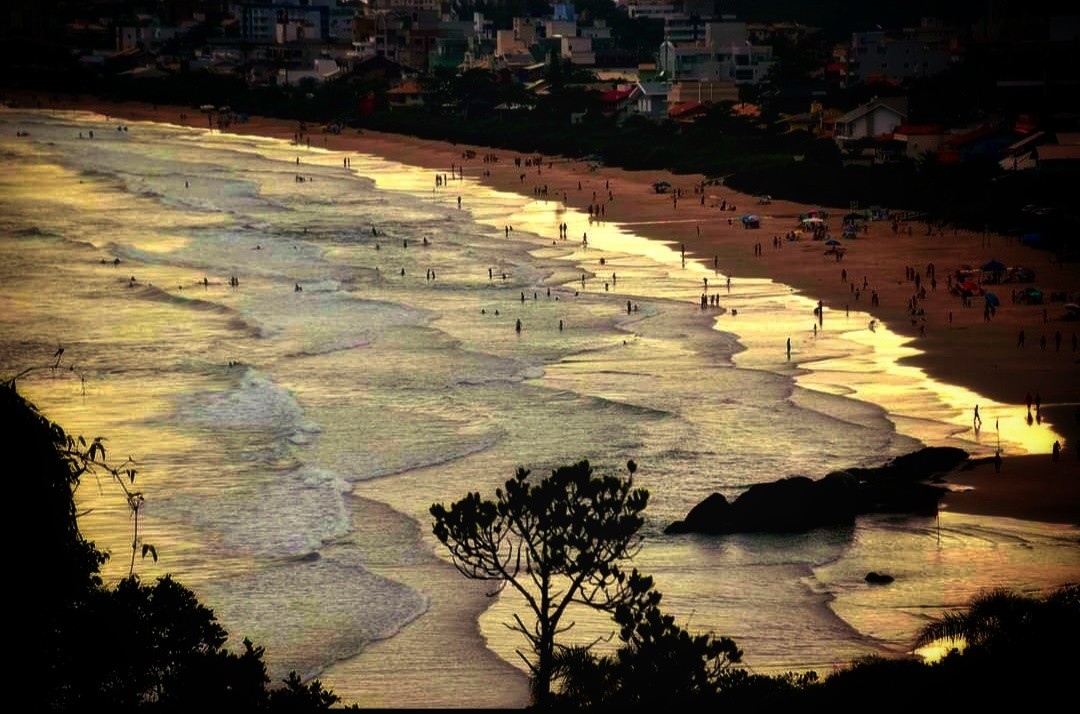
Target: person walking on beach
[(518, 326), (789, 348), (978, 419)]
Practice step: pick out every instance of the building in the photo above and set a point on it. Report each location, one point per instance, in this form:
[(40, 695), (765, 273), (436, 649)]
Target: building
[(870, 120), (895, 57)]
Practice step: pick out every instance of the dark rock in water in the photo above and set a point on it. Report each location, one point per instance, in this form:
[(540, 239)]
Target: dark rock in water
[(878, 578), (799, 503)]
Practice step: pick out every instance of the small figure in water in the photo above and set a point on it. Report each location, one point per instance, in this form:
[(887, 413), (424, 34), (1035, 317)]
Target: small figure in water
[(518, 326)]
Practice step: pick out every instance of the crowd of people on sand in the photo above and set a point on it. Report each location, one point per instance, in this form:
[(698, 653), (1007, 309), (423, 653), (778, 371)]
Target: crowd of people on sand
[(923, 281)]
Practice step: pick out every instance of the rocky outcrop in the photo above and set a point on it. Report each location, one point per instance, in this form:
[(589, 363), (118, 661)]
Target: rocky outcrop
[(799, 503)]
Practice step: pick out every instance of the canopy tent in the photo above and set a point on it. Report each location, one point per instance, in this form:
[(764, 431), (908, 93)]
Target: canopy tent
[(832, 241), (994, 266), (812, 221), (851, 217)]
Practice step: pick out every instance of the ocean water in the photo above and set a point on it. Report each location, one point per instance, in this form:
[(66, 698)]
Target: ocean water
[(291, 430)]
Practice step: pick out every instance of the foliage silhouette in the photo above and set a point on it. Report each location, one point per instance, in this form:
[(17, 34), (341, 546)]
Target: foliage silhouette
[(88, 646), (556, 541)]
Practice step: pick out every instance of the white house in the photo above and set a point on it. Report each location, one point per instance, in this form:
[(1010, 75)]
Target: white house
[(652, 99), (872, 119)]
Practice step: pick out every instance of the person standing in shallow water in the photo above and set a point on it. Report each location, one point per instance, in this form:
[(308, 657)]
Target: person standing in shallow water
[(518, 326)]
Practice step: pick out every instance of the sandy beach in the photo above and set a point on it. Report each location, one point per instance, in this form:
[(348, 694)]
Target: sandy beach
[(956, 344)]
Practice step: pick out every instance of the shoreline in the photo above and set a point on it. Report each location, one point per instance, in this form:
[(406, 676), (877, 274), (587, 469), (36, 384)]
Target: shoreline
[(954, 344)]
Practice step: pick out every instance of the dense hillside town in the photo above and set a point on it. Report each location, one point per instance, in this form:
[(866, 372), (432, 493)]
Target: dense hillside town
[(894, 101)]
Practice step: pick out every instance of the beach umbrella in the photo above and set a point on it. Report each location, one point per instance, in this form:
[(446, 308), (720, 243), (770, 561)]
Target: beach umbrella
[(994, 266), (992, 299), (832, 241)]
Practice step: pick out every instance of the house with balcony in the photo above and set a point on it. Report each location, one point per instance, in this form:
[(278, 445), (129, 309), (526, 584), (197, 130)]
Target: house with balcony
[(725, 53), (285, 22), (703, 91)]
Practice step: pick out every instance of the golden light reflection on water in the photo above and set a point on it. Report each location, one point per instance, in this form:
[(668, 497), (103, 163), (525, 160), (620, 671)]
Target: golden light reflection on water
[(927, 409), (904, 390)]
